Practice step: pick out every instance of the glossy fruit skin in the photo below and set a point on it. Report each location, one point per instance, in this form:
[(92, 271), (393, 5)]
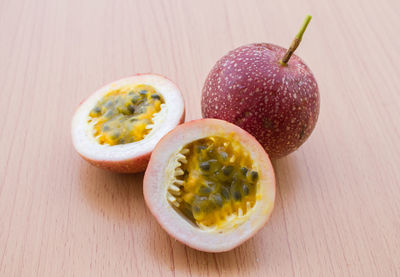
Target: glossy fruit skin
[(277, 104)]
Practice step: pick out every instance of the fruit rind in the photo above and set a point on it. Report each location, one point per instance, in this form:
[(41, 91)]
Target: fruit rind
[(156, 182)]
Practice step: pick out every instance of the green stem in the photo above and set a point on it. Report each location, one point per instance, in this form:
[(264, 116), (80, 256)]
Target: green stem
[(295, 42)]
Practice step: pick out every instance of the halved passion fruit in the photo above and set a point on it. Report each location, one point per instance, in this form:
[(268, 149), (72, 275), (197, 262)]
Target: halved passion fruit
[(210, 185), (118, 126)]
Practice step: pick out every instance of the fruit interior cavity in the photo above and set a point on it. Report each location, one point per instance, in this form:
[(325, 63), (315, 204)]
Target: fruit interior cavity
[(215, 182), (125, 114)]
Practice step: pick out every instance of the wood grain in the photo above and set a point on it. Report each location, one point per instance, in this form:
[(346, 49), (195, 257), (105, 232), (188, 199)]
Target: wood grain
[(338, 208)]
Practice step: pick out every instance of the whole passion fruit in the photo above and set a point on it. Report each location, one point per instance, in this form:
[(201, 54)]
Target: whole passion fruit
[(118, 126), (266, 90), (210, 185)]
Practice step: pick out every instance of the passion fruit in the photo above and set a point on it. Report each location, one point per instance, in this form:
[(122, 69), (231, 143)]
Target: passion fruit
[(266, 90), (118, 126), (210, 185)]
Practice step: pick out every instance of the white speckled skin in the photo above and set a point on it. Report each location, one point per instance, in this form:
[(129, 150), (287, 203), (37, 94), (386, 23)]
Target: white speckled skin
[(279, 105)]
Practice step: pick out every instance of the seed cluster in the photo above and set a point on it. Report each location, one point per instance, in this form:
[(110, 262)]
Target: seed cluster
[(125, 115), (215, 182)]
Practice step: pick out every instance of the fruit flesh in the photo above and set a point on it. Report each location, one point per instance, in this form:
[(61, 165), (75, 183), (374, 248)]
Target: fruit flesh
[(125, 114), (217, 181)]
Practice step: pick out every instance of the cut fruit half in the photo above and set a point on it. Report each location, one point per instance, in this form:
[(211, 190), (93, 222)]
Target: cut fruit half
[(118, 126), (210, 185)]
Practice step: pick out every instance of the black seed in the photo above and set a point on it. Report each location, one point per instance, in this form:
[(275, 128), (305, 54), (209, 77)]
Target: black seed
[(245, 189), (115, 135), (106, 128), (244, 170), (254, 175), (201, 204), (225, 193), (223, 155), (121, 141), (108, 104), (227, 170), (234, 179), (218, 200), (143, 92), (204, 190), (196, 209), (109, 114), (156, 96), (97, 109), (131, 108), (237, 195), (134, 98), (205, 166), (201, 147)]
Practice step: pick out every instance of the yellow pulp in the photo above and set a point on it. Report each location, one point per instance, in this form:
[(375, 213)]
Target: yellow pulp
[(123, 114), (218, 181)]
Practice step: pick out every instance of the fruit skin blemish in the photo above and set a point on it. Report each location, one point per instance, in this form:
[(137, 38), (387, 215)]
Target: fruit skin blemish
[(268, 91)]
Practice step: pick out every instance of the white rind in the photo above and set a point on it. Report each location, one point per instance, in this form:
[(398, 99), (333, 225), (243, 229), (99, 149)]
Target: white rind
[(164, 121)]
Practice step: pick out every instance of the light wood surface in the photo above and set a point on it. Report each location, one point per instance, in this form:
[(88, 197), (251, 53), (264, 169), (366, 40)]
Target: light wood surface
[(338, 197)]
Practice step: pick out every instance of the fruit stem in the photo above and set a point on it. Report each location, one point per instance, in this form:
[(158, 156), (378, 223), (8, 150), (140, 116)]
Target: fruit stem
[(295, 42)]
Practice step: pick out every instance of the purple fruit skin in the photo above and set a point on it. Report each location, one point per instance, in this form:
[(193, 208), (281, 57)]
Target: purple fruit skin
[(278, 105)]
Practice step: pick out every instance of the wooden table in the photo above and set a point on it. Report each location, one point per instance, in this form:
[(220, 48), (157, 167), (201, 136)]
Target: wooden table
[(338, 198)]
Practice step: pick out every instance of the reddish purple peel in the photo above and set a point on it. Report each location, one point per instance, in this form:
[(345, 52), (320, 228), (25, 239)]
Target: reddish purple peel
[(277, 104)]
